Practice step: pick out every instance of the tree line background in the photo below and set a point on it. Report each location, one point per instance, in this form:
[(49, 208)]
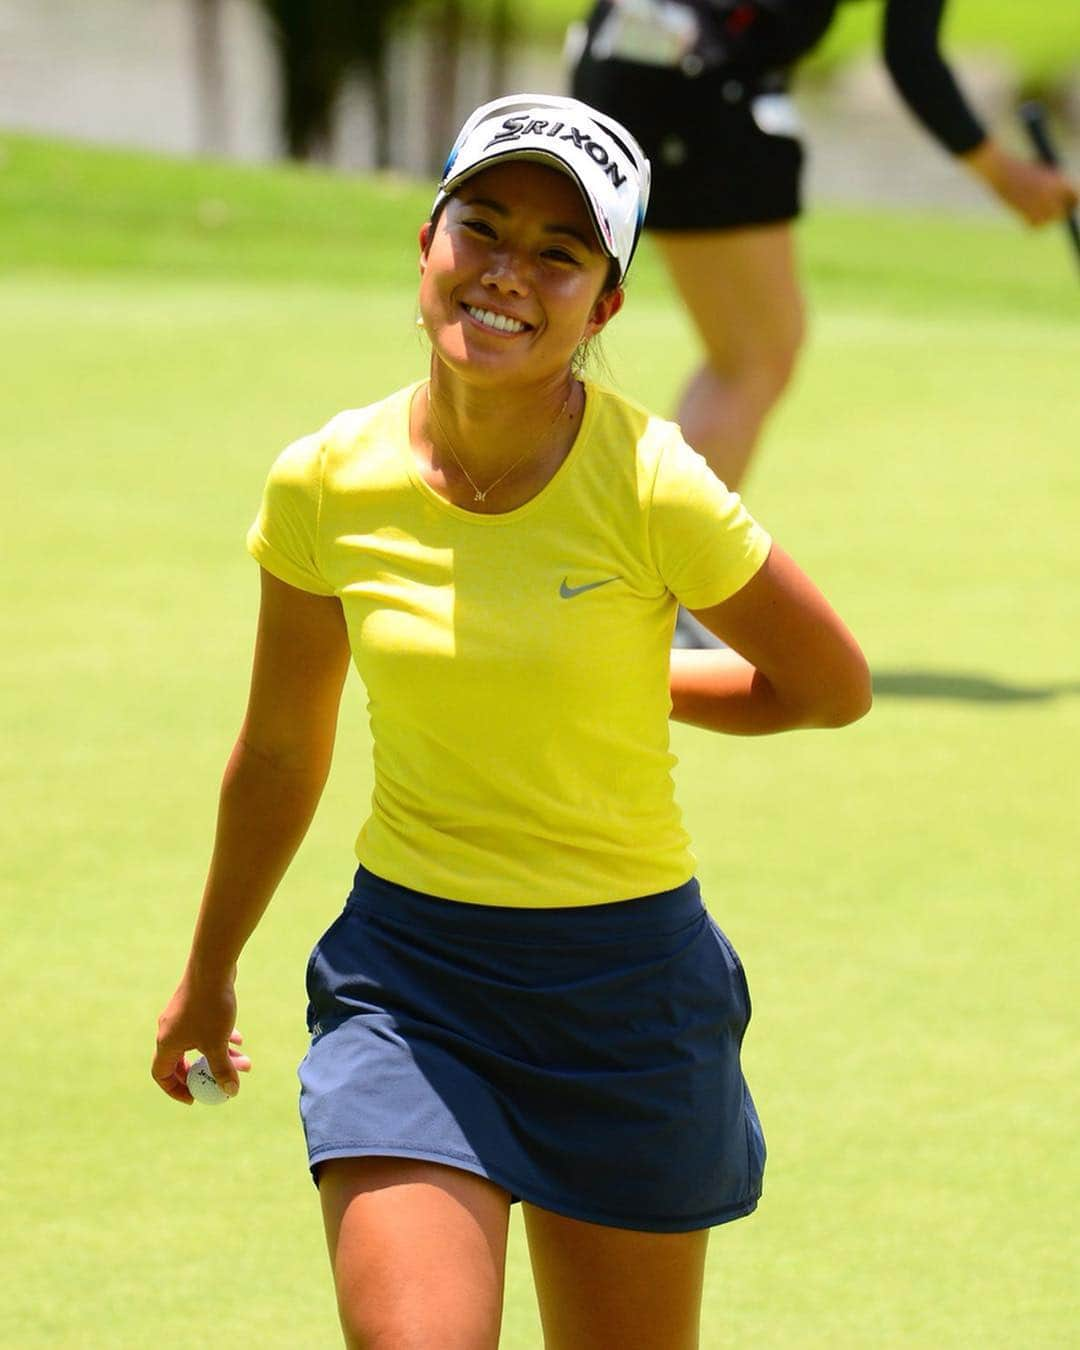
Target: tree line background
[(321, 45)]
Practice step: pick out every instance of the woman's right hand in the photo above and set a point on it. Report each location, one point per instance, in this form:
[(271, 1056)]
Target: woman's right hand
[(1039, 193), (200, 1015), (272, 785)]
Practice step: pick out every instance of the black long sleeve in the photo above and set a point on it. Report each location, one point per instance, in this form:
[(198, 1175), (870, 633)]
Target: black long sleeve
[(924, 81)]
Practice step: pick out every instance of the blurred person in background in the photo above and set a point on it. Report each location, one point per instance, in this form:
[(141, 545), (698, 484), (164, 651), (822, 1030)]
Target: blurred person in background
[(703, 86)]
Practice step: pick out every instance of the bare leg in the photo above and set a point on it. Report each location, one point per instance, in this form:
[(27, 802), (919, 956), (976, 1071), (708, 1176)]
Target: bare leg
[(604, 1287), (742, 291), (418, 1252)]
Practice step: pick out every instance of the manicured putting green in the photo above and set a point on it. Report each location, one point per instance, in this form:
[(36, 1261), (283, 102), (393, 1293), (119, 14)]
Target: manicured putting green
[(902, 892)]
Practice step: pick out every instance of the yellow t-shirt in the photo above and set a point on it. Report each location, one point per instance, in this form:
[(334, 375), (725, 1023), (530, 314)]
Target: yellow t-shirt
[(516, 665)]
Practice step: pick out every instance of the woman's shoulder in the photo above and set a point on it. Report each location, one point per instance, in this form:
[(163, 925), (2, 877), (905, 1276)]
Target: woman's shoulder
[(387, 419), (620, 419), (614, 411), (346, 438)]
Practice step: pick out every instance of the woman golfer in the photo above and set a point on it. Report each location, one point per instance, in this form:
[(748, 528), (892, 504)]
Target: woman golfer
[(523, 998), (704, 86)]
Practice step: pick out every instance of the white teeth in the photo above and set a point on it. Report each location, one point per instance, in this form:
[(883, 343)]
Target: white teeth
[(500, 322)]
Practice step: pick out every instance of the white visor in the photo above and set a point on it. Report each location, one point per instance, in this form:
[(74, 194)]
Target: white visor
[(597, 152)]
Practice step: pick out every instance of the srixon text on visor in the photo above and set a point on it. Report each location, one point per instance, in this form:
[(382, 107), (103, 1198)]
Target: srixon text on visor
[(516, 127)]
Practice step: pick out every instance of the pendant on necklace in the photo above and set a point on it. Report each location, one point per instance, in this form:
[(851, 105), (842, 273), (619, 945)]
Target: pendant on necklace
[(480, 496)]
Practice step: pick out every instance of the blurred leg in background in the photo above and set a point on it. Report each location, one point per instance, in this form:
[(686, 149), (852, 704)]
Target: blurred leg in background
[(741, 289)]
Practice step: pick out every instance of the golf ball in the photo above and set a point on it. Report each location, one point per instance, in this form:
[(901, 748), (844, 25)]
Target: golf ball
[(202, 1084)]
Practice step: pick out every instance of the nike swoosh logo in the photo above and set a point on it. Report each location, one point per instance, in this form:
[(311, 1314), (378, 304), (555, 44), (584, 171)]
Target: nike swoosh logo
[(568, 592)]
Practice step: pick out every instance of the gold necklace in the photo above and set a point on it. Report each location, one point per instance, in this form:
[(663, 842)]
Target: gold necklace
[(481, 495)]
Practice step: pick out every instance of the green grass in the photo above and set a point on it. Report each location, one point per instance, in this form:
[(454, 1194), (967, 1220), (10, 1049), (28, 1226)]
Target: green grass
[(1042, 48), (902, 892)]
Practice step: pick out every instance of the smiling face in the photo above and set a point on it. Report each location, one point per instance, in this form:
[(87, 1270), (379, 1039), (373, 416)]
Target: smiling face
[(512, 277)]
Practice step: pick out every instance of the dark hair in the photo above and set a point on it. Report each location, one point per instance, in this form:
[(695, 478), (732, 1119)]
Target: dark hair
[(440, 207), (613, 280)]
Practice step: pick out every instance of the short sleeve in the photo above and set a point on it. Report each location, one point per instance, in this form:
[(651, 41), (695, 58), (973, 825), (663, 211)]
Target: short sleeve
[(284, 537), (704, 542)]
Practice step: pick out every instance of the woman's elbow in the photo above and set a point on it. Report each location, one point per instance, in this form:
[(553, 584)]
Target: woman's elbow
[(850, 695)]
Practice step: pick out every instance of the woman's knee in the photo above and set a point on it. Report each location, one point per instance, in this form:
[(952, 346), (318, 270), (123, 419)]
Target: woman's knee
[(742, 290), (762, 360), (391, 1308), (790, 340), (416, 1328)]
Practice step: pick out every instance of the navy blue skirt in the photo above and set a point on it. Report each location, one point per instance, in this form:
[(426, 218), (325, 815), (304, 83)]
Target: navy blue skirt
[(585, 1059)]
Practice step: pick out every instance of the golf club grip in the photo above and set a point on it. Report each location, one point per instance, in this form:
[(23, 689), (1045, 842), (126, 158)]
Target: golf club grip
[(1033, 116)]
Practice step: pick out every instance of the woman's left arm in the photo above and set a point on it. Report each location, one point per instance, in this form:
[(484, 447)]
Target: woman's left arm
[(1038, 193), (792, 662)]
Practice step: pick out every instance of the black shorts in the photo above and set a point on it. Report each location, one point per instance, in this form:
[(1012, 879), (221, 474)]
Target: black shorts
[(714, 166)]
